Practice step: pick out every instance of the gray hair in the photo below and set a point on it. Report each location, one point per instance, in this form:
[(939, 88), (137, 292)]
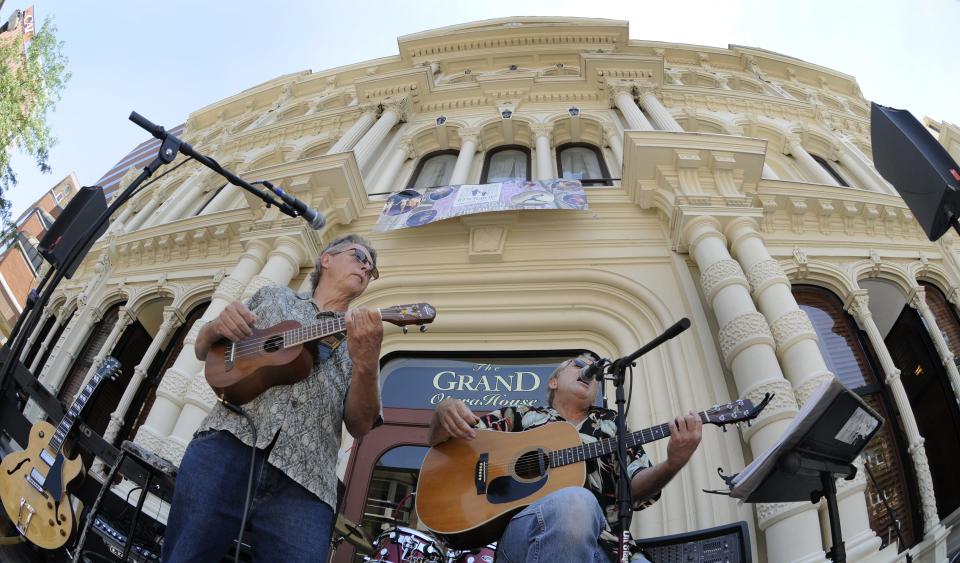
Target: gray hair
[(336, 244), (556, 373)]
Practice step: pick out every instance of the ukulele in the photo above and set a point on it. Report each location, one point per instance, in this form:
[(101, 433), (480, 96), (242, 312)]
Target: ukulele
[(469, 489), (240, 371), (33, 482)]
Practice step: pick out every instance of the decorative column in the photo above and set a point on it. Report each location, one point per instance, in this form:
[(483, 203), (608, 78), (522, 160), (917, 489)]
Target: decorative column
[(808, 164), (615, 141), (469, 141), (801, 360), (46, 341), (227, 198), (145, 213), (36, 332), (173, 387), (124, 317), (118, 225), (541, 134), (180, 200), (172, 318), (918, 300), (768, 173), (394, 111), (621, 97), (792, 530), (655, 109), (198, 399), (857, 304), (853, 158), (63, 356), (387, 182), (368, 116)]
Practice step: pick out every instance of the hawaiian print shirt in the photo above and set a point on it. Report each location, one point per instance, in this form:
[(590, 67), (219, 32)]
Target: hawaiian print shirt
[(602, 472), (305, 418)]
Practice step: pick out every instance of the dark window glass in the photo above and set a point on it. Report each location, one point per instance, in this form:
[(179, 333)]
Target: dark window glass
[(434, 170), (830, 170), (506, 163), (582, 162)]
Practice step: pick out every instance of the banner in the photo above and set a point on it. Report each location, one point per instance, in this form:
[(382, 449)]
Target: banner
[(414, 208)]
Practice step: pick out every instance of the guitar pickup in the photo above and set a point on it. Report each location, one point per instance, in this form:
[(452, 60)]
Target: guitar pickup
[(480, 475)]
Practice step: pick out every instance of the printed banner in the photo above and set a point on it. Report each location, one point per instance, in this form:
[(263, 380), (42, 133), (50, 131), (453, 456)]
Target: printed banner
[(413, 208)]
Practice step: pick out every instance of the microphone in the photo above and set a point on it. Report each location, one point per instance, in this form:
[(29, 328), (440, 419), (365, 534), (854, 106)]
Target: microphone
[(591, 372), (314, 218)]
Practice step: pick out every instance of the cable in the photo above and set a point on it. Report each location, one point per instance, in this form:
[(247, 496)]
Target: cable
[(253, 460)]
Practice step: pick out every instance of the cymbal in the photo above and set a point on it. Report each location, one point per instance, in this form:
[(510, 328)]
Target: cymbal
[(354, 534)]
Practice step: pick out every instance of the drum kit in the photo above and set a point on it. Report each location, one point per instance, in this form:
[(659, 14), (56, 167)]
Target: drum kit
[(406, 545)]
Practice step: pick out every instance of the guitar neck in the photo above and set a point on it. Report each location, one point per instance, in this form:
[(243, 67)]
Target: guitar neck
[(307, 333), (608, 446), (70, 417)]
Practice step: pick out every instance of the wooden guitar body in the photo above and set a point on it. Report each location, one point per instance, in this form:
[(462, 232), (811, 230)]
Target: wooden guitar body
[(469, 489), (241, 380), (32, 490)]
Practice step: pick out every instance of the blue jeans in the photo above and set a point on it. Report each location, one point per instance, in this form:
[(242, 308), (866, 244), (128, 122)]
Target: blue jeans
[(562, 526), (286, 522)]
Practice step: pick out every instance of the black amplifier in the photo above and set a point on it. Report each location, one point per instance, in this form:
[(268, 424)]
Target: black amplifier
[(729, 543), (108, 540)]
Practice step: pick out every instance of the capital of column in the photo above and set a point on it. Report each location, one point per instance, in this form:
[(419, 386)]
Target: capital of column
[(125, 316), (645, 88), (172, 318), (953, 296), (610, 130), (617, 88), (892, 377), (370, 108), (542, 130), (700, 228), (469, 135), (399, 106), (740, 229), (407, 147), (857, 303), (918, 300)]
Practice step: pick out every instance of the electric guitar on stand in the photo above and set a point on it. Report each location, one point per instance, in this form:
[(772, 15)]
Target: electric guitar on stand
[(469, 489), (239, 371), (33, 482)]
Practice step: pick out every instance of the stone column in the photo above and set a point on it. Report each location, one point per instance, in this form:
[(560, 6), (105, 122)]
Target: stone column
[(621, 97), (284, 262), (768, 173), (124, 317), (390, 171), (857, 304), (541, 134), (36, 332), (228, 197), (615, 141), (469, 141), (172, 318), (853, 158), (172, 390), (658, 113), (801, 360), (182, 199), (368, 116), (808, 164), (394, 111), (792, 530), (145, 214), (63, 355), (919, 302), (118, 225), (46, 341)]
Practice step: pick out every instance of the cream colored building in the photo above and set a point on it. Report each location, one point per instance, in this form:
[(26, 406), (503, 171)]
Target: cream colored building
[(743, 197)]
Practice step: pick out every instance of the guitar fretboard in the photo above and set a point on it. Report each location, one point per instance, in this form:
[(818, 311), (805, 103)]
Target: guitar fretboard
[(307, 333), (70, 417), (607, 446)]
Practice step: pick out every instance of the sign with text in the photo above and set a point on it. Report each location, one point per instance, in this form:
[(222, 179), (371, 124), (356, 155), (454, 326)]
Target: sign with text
[(414, 208), (421, 383)]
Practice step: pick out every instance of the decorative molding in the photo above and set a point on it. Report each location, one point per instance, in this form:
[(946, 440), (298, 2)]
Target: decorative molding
[(765, 273), (719, 275), (809, 385), (229, 289), (928, 501), (745, 330), (792, 328)]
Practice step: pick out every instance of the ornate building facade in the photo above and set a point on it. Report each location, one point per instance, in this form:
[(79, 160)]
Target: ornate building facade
[(731, 186)]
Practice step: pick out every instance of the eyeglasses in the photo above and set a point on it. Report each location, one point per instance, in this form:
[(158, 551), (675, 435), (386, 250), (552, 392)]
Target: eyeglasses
[(581, 363), (361, 256)]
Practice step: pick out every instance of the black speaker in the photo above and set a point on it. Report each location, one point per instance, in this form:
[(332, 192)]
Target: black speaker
[(76, 220), (918, 166)]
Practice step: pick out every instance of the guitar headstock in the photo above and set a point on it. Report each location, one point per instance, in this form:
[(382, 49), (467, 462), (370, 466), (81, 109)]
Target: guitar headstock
[(741, 410), (108, 368), (412, 314)]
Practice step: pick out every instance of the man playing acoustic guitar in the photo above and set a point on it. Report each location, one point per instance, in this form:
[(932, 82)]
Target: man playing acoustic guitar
[(297, 426), (575, 523)]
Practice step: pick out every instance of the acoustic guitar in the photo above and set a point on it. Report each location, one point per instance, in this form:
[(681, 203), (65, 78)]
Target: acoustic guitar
[(469, 489), (33, 482), (240, 371)]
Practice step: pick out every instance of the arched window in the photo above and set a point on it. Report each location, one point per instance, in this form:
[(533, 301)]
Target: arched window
[(510, 162), (848, 356), (830, 170), (580, 161), (435, 169)]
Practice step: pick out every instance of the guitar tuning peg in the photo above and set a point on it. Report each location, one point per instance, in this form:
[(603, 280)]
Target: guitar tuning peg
[(405, 329), (423, 328)]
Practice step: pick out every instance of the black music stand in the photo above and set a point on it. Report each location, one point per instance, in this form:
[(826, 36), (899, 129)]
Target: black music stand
[(819, 446)]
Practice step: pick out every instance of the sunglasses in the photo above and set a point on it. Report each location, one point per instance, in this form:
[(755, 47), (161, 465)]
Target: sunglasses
[(361, 256), (581, 363)]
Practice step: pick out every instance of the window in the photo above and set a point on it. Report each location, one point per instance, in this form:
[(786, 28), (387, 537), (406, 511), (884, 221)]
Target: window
[(434, 170), (506, 163), (578, 161), (830, 170)]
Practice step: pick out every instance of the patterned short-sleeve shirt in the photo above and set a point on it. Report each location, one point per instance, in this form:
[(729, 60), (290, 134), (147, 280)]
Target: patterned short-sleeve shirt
[(602, 472), (305, 417)]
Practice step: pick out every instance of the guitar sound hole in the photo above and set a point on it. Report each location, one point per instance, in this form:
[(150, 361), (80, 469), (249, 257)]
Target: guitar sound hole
[(273, 344), (528, 465)]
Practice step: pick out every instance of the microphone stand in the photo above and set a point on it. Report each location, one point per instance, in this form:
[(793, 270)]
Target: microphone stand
[(617, 370)]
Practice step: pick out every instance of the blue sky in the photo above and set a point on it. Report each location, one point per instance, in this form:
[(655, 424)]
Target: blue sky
[(167, 59)]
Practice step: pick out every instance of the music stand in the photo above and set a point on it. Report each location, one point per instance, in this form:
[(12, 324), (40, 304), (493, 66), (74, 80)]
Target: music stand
[(819, 446)]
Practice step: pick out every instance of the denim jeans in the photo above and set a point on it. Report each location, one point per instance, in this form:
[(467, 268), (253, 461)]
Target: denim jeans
[(286, 523), (561, 527)]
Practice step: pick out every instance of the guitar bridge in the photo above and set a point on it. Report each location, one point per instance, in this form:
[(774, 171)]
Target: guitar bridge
[(480, 474), (229, 356)]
